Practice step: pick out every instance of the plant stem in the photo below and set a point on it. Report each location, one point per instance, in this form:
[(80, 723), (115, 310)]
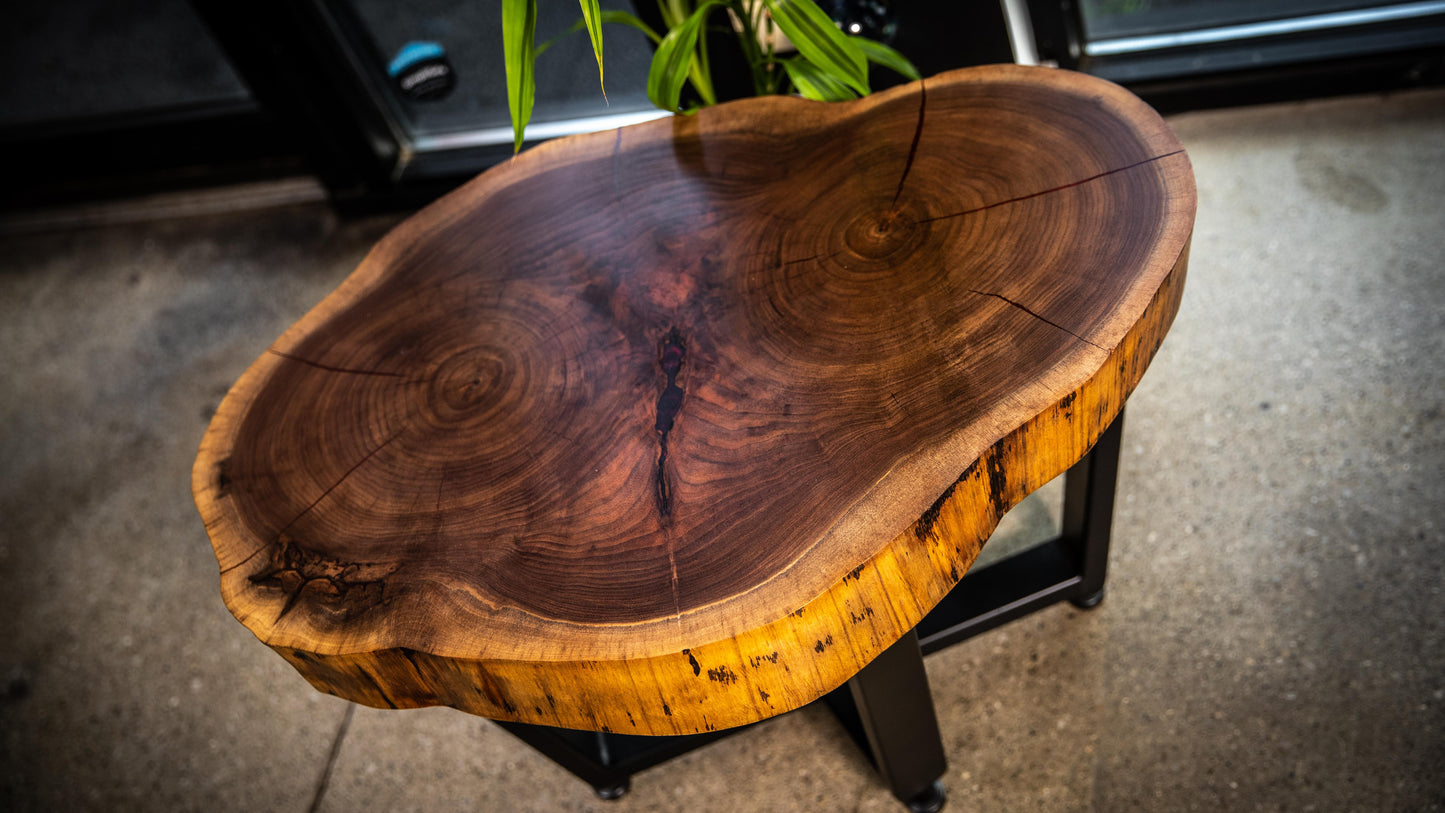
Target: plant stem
[(703, 68), (752, 52), (673, 12)]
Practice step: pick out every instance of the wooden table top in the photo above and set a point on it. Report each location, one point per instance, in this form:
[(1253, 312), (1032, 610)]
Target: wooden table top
[(676, 427)]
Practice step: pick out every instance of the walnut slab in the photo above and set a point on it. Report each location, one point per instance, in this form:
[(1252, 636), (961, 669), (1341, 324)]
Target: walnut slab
[(676, 427)]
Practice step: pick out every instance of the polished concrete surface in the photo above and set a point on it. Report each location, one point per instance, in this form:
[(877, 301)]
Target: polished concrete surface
[(1273, 637)]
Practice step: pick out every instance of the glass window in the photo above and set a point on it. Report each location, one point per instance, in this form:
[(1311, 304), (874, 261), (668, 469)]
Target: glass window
[(1107, 19)]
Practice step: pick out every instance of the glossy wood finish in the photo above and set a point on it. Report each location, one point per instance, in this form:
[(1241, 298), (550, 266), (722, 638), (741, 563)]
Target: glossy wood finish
[(675, 428)]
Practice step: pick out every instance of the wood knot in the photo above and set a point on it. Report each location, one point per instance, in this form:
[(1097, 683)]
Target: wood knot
[(884, 233), (470, 384)]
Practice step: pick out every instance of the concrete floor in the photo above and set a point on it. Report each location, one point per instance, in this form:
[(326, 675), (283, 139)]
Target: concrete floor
[(1272, 637)]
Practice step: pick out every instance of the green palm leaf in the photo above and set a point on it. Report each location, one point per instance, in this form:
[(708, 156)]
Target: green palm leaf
[(519, 35), (674, 58), (881, 54), (815, 84), (608, 17), (592, 16), (820, 42)]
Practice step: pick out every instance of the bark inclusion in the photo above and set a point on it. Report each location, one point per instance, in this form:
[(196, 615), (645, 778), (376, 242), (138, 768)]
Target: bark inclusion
[(669, 403)]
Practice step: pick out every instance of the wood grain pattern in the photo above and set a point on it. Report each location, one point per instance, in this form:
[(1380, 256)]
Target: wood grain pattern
[(674, 428)]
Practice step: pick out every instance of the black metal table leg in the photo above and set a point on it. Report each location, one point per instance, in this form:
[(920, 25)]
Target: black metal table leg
[(888, 708), (1089, 514)]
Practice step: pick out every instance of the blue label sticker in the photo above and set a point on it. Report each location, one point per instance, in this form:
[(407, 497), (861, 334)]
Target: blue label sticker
[(412, 53), (421, 71)]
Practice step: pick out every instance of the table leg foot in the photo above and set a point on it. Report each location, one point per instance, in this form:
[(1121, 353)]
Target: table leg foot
[(611, 792), (1090, 601), (929, 800), (1089, 512)]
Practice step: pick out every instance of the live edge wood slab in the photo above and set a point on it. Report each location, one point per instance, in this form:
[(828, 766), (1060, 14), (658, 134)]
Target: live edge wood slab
[(675, 428)]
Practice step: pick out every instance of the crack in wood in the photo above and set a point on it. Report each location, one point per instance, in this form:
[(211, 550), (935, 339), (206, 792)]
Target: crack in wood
[(291, 599), (811, 258), (917, 134), (249, 557), (329, 368), (342, 479), (1054, 189), (1036, 315)]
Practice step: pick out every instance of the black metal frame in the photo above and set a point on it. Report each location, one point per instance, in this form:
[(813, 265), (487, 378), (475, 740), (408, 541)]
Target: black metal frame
[(1369, 58), (886, 707)]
